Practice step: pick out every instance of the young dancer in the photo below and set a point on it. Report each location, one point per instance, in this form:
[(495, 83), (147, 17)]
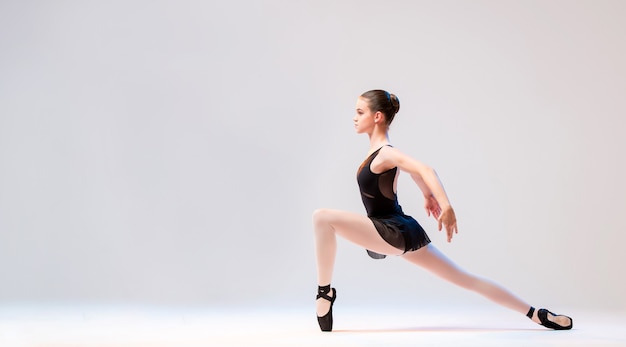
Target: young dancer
[(386, 230)]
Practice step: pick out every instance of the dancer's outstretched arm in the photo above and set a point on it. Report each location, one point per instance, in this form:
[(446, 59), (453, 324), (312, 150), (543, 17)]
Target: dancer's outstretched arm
[(430, 203), (428, 181)]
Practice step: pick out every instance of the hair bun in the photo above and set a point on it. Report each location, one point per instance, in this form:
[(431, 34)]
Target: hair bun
[(395, 102)]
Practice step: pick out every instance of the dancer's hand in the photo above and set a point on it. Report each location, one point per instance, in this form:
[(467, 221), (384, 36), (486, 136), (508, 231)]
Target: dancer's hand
[(448, 221), (432, 207)]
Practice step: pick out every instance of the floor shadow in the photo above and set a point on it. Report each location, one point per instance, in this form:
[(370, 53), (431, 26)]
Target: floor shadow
[(434, 329)]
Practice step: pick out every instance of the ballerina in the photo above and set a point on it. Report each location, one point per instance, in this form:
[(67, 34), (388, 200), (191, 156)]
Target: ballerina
[(386, 230)]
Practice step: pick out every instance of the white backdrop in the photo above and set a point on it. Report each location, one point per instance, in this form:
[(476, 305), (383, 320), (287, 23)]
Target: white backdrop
[(173, 151)]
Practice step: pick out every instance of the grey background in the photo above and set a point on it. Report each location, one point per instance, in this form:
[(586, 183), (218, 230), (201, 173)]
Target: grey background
[(173, 151)]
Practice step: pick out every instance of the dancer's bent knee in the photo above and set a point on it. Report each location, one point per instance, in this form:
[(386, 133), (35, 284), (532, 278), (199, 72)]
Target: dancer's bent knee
[(323, 216), (322, 219)]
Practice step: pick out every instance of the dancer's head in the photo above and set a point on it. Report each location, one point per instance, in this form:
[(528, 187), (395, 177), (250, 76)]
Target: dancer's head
[(378, 105)]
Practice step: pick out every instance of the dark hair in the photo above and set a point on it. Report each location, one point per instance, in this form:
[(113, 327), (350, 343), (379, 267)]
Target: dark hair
[(380, 100)]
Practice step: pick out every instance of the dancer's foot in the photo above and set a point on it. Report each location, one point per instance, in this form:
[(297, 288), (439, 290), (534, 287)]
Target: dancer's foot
[(325, 307), (550, 320)]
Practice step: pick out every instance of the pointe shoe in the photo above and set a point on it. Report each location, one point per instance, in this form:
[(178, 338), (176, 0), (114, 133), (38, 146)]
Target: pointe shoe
[(326, 321), (542, 314)]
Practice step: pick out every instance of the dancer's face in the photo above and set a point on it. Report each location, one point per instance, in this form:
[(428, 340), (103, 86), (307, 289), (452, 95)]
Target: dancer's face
[(363, 118)]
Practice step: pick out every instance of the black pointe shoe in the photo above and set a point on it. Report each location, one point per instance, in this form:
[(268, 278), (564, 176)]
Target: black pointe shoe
[(326, 321), (542, 314)]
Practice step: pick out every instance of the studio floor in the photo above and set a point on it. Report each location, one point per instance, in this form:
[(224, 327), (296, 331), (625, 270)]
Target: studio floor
[(105, 326)]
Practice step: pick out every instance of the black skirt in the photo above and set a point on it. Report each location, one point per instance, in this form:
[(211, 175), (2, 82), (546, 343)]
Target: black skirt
[(401, 231)]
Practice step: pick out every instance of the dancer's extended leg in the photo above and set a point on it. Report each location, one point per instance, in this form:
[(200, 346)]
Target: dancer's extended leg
[(434, 261)]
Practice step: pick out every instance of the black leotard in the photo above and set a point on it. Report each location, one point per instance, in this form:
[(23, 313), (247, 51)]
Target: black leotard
[(381, 203), (377, 189)]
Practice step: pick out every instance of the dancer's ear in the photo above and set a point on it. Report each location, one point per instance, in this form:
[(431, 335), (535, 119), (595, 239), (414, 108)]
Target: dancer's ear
[(378, 117)]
